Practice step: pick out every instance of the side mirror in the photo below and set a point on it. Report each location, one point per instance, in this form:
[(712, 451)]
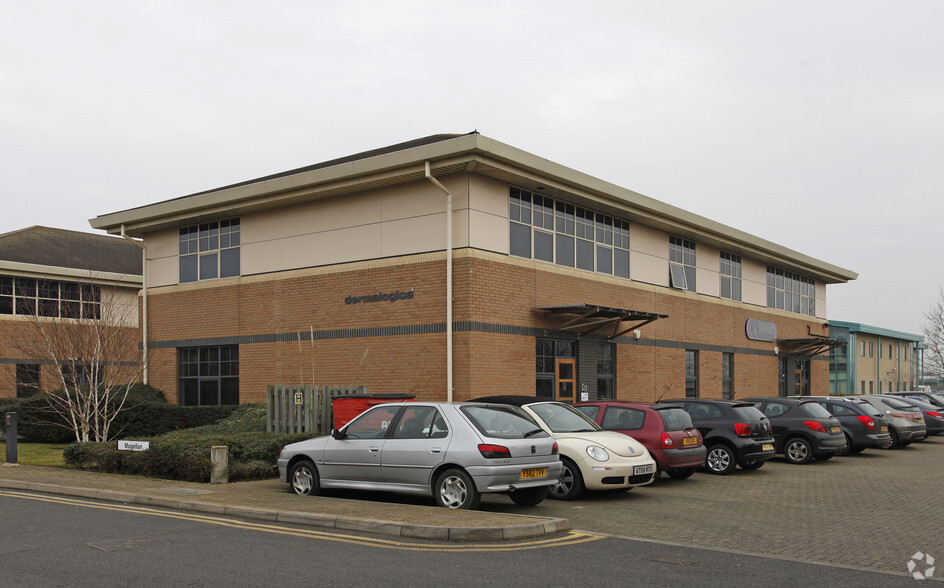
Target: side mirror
[(337, 434)]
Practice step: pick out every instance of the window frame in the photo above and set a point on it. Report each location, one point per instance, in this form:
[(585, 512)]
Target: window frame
[(209, 251)]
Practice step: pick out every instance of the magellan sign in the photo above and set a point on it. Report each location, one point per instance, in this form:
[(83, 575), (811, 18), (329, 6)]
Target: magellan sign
[(757, 330)]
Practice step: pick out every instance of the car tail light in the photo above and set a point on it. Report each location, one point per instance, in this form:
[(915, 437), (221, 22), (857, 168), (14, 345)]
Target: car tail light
[(816, 426), (666, 440), (554, 449), (901, 416), (742, 429), (493, 451), (931, 413), (868, 421)]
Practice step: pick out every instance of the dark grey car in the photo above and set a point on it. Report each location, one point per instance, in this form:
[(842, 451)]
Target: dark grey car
[(905, 422), (862, 424), (453, 452)]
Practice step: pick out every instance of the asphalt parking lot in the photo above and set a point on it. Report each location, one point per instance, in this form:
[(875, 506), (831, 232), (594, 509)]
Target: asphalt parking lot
[(873, 510)]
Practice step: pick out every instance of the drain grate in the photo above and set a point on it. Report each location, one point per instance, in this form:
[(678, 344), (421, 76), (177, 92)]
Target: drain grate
[(672, 560), (180, 490), (129, 543)]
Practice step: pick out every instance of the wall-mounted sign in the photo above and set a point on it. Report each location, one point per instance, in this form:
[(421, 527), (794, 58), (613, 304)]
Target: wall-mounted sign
[(757, 330), (381, 297)]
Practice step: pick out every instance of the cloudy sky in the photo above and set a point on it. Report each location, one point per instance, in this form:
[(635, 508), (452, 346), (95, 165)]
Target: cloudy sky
[(813, 124)]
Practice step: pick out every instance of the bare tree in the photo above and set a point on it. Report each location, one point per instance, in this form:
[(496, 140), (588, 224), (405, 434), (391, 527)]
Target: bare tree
[(934, 338), (87, 336)]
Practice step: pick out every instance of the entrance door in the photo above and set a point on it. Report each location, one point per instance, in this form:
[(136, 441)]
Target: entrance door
[(566, 379)]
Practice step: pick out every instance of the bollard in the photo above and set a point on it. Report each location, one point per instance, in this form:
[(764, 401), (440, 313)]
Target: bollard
[(219, 464), (11, 437)]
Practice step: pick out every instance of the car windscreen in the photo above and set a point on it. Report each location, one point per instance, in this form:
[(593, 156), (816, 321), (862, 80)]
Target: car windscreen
[(899, 405), (815, 410), (866, 406), (938, 396), (675, 419), (503, 422), (748, 413), (561, 418)]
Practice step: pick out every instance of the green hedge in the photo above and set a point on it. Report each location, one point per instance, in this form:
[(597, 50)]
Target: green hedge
[(185, 455), (145, 414)]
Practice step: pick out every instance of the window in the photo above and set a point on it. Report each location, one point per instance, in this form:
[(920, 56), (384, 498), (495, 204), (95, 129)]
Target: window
[(79, 374), (790, 292), (863, 349), (209, 251), (555, 231), (208, 376), (547, 352), (420, 422), (606, 390), (682, 263), (871, 348), (49, 298), (27, 380), (727, 376), (730, 276), (623, 419), (691, 374)]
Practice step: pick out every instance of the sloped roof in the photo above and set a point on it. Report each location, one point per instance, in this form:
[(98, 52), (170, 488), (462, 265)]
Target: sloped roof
[(46, 246)]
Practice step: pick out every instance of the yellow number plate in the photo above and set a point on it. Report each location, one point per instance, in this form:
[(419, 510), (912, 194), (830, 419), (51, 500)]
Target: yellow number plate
[(531, 473), (768, 447), (836, 429), (690, 441), (884, 428)]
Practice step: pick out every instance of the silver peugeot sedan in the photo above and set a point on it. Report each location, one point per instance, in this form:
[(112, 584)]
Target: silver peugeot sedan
[(453, 452)]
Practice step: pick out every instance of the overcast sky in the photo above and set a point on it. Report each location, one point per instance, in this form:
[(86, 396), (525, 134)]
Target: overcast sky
[(813, 124)]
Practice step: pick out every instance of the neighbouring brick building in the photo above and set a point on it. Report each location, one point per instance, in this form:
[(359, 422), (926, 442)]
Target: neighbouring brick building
[(60, 281), (553, 282)]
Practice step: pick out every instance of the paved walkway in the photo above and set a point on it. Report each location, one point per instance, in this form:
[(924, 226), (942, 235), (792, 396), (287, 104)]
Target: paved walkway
[(270, 500)]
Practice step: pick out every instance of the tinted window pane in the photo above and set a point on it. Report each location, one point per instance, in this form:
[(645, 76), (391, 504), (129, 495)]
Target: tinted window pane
[(543, 246), (188, 268), (604, 260), (520, 240), (229, 263), (208, 266), (621, 263), (585, 255), (565, 250)]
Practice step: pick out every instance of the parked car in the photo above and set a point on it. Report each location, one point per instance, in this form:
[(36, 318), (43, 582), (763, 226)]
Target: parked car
[(591, 458), (862, 424), (934, 398), (905, 422), (453, 452), (735, 433), (933, 415), (667, 432), (802, 428)]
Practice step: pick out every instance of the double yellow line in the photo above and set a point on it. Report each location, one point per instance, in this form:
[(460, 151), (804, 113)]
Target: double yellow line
[(570, 538)]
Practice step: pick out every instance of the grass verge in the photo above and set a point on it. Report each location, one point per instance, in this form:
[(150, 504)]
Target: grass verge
[(39, 454)]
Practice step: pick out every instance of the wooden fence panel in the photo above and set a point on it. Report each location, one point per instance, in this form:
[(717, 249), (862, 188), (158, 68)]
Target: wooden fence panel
[(304, 409)]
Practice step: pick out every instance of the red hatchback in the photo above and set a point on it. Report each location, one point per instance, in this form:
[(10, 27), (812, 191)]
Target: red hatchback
[(666, 431)]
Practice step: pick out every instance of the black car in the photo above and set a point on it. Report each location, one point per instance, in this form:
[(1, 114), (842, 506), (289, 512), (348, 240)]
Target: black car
[(802, 428), (935, 398), (735, 433), (862, 424)]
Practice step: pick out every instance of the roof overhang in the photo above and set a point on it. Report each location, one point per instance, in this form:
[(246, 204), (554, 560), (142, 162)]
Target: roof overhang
[(588, 318), (448, 155), (809, 346)]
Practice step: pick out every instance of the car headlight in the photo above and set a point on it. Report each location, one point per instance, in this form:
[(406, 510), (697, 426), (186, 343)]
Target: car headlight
[(597, 453)]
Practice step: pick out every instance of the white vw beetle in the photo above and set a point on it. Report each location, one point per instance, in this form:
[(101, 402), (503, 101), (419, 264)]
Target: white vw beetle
[(593, 459)]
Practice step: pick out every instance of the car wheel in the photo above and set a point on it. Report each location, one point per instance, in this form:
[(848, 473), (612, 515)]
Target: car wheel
[(528, 496), (303, 478), (455, 489), (847, 449), (798, 450), (896, 441), (754, 464), (681, 474), (720, 460), (570, 485)]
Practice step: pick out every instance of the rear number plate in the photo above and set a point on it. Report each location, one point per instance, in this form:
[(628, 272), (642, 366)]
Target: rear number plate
[(768, 447), (690, 441), (532, 473), (643, 469), (835, 429), (884, 428)]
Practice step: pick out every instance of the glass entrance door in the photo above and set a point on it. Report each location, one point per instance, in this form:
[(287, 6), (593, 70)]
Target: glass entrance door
[(566, 379)]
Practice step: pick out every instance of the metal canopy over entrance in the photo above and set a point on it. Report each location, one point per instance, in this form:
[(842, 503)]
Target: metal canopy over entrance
[(589, 318), (809, 346)]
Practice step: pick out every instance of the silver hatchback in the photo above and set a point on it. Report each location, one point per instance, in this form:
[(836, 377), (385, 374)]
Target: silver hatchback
[(453, 452)]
